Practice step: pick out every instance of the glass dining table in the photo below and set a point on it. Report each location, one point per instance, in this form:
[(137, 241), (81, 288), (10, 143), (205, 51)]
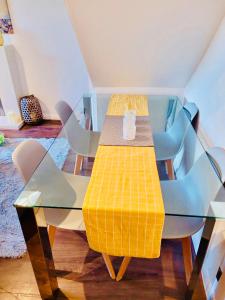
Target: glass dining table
[(48, 189)]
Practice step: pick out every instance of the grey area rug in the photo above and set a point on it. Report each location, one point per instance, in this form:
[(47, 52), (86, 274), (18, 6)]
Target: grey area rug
[(12, 243)]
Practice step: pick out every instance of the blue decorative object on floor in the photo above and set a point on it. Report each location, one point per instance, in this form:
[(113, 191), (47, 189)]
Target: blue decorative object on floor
[(11, 238)]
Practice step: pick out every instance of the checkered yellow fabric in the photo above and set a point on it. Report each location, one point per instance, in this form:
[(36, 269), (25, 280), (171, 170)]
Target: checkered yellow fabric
[(120, 103), (123, 208)]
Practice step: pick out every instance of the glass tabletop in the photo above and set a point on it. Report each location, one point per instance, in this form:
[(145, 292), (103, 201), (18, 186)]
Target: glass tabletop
[(196, 192)]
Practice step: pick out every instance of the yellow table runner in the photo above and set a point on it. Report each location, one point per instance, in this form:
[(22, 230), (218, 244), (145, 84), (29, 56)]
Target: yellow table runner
[(123, 208), (119, 103)]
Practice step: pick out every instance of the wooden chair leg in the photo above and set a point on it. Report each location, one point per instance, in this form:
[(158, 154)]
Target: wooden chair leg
[(123, 268), (187, 256), (51, 234), (109, 265), (78, 164), (170, 170)]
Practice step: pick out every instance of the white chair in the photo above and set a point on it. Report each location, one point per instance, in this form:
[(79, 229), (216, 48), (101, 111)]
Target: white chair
[(57, 188), (189, 196), (168, 144), (83, 142)]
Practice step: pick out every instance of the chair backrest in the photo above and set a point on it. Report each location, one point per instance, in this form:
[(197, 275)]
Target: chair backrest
[(171, 112), (40, 173), (189, 154), (179, 128), (204, 179), (64, 111), (192, 112), (78, 137), (27, 156)]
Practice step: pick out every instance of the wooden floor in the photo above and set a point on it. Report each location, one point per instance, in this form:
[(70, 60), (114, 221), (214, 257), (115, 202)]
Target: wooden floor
[(81, 271), (46, 129)]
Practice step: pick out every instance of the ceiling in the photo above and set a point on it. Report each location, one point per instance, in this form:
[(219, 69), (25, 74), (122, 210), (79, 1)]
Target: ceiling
[(144, 43)]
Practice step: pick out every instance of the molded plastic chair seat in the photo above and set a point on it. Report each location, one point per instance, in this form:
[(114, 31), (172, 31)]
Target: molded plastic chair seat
[(70, 219), (93, 144), (165, 146), (78, 183), (177, 194), (83, 142), (63, 218), (175, 229), (55, 185), (190, 196), (169, 143)]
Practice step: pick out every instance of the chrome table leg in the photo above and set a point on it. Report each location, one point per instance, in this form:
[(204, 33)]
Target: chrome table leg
[(199, 260), (40, 253)]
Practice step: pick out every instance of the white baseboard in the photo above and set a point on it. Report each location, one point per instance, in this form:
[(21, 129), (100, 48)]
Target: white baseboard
[(6, 124), (50, 117), (141, 90)]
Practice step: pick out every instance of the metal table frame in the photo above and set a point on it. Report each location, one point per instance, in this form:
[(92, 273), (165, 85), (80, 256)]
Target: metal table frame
[(39, 249)]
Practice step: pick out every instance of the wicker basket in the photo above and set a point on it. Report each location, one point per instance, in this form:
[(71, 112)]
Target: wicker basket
[(31, 110)]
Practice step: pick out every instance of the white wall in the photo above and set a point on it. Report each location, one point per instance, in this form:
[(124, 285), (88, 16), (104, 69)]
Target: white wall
[(7, 89), (144, 43), (207, 89), (46, 48)]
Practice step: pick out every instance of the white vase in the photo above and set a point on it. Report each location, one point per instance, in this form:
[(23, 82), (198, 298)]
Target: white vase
[(129, 128)]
